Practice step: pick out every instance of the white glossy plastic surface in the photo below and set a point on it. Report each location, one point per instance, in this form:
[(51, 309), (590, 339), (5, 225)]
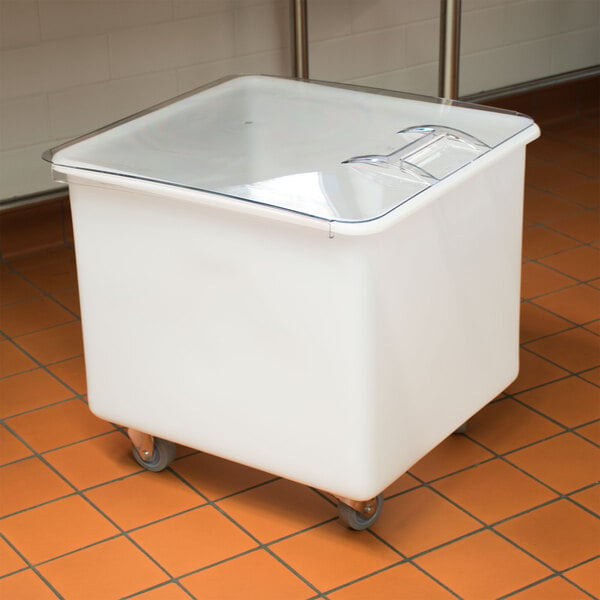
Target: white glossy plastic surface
[(334, 354), (294, 145)]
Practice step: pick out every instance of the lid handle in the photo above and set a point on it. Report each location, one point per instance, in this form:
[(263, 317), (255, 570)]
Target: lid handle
[(405, 159)]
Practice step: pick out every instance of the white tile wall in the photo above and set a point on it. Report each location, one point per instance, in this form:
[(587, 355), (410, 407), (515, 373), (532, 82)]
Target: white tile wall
[(74, 18), (22, 171), (19, 23), (261, 27), (53, 65), (504, 66), (273, 62), (24, 121), (358, 55), (329, 19), (69, 66), (575, 50), (483, 29), (184, 9), (419, 80), (422, 42), (171, 45), (78, 110), (369, 15)]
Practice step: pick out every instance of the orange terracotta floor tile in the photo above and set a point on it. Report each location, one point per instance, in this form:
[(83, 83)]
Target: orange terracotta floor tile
[(584, 162), (534, 371), (50, 277), (402, 581), (537, 280), (278, 509), (586, 576), (549, 148), (571, 401), (455, 453), (555, 588), (14, 288), (174, 542), (11, 449), (330, 555), (54, 344), (170, 591), (71, 421), (30, 483), (584, 192), (589, 498), (28, 391), (216, 477), (56, 528), (143, 498), (25, 585), (593, 326), (582, 262), (95, 461), (578, 304), (584, 227), (494, 491), (32, 315), (72, 373), (565, 463), (537, 322), (561, 534), (421, 519), (466, 568), (590, 432), (542, 206), (47, 257), (258, 571), (550, 177), (105, 571), (539, 242), (402, 484), (10, 561), (69, 299), (506, 425), (576, 350), (13, 360)]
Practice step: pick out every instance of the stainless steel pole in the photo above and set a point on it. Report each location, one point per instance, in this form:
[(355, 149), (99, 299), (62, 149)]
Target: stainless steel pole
[(299, 41), (450, 11)]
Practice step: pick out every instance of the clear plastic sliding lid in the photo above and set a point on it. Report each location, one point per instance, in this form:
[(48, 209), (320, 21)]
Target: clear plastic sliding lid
[(328, 151)]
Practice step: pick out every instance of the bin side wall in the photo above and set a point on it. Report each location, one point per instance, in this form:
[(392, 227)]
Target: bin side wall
[(233, 334), (447, 319), (337, 362)]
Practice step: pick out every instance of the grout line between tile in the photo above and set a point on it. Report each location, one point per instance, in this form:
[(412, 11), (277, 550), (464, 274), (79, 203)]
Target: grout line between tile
[(571, 373), (44, 368), (81, 495), (30, 566), (538, 582), (39, 408), (157, 587), (260, 544), (485, 527)]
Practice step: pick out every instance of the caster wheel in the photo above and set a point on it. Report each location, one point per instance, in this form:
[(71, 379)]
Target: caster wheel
[(462, 428), (357, 520), (162, 456)]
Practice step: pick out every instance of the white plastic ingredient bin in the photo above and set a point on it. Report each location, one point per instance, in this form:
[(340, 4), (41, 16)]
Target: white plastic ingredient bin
[(316, 280)]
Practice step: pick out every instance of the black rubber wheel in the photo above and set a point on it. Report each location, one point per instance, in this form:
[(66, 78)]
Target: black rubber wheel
[(162, 456), (356, 520)]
